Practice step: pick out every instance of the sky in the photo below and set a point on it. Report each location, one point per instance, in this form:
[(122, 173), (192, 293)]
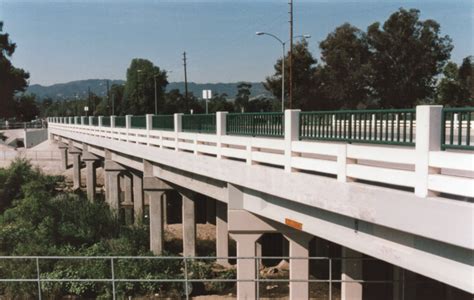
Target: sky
[(61, 41)]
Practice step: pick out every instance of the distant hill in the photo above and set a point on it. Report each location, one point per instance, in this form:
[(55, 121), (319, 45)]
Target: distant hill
[(79, 88)]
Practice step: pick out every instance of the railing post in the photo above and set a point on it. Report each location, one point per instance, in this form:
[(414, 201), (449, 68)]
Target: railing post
[(292, 130), (100, 121), (177, 129), (90, 120), (128, 123), (83, 120), (221, 129), (428, 138), (112, 121), (149, 126)]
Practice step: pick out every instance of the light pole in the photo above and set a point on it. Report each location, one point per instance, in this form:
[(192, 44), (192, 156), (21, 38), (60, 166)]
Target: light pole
[(283, 43)]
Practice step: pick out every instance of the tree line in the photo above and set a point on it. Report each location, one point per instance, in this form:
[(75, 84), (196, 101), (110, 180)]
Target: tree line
[(398, 64)]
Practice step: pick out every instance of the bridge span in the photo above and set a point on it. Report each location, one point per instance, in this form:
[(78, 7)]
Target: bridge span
[(394, 185)]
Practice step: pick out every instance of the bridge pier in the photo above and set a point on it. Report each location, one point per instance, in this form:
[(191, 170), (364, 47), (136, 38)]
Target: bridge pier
[(76, 166), (112, 172), (299, 268), (351, 269), (91, 177), (189, 222), (155, 190), (138, 204), (63, 150), (246, 270)]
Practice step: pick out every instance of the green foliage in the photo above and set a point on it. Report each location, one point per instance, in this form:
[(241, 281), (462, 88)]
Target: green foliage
[(407, 54), (304, 72), (38, 220), (13, 80), (390, 66), (347, 71), (457, 86), (140, 87)]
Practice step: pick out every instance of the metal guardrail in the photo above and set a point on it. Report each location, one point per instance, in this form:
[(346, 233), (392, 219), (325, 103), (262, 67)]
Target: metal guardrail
[(388, 126), (163, 122), (106, 121), (202, 123), (120, 122), (95, 121), (40, 276), (456, 128), (256, 124), (138, 122)]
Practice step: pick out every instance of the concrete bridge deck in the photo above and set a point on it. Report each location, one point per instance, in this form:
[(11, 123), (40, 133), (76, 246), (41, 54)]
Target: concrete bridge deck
[(409, 206)]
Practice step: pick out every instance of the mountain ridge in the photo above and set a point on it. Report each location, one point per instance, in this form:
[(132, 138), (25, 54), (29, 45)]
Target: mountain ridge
[(79, 88)]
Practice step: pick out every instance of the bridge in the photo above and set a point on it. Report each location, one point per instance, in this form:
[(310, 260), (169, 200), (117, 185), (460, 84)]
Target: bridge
[(396, 185)]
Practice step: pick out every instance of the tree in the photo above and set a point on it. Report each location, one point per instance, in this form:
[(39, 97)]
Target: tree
[(406, 56), (304, 71), (140, 87), (456, 87), (26, 108), (346, 73), (12, 79), (243, 96), (466, 75), (219, 103)]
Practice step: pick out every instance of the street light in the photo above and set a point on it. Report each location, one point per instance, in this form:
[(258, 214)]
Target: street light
[(283, 43)]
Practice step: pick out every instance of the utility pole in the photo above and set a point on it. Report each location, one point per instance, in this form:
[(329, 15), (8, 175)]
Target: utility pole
[(291, 54), (108, 93), (89, 97), (185, 77)]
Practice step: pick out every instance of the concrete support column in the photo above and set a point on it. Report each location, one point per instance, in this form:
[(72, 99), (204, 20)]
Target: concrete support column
[(222, 233), (63, 150), (127, 198), (246, 268), (189, 223), (76, 167), (137, 197), (91, 178), (156, 221), (112, 173), (113, 185), (351, 270), (154, 189), (299, 268)]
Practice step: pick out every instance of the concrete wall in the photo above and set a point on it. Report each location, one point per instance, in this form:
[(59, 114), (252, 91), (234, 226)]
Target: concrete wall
[(34, 137)]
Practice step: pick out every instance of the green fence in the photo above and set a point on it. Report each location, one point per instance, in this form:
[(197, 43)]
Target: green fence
[(120, 122), (456, 125), (138, 122), (199, 123), (163, 122), (388, 126), (106, 121), (86, 121), (95, 121), (256, 124)]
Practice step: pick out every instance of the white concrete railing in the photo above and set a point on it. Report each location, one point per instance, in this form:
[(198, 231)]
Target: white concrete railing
[(424, 168)]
